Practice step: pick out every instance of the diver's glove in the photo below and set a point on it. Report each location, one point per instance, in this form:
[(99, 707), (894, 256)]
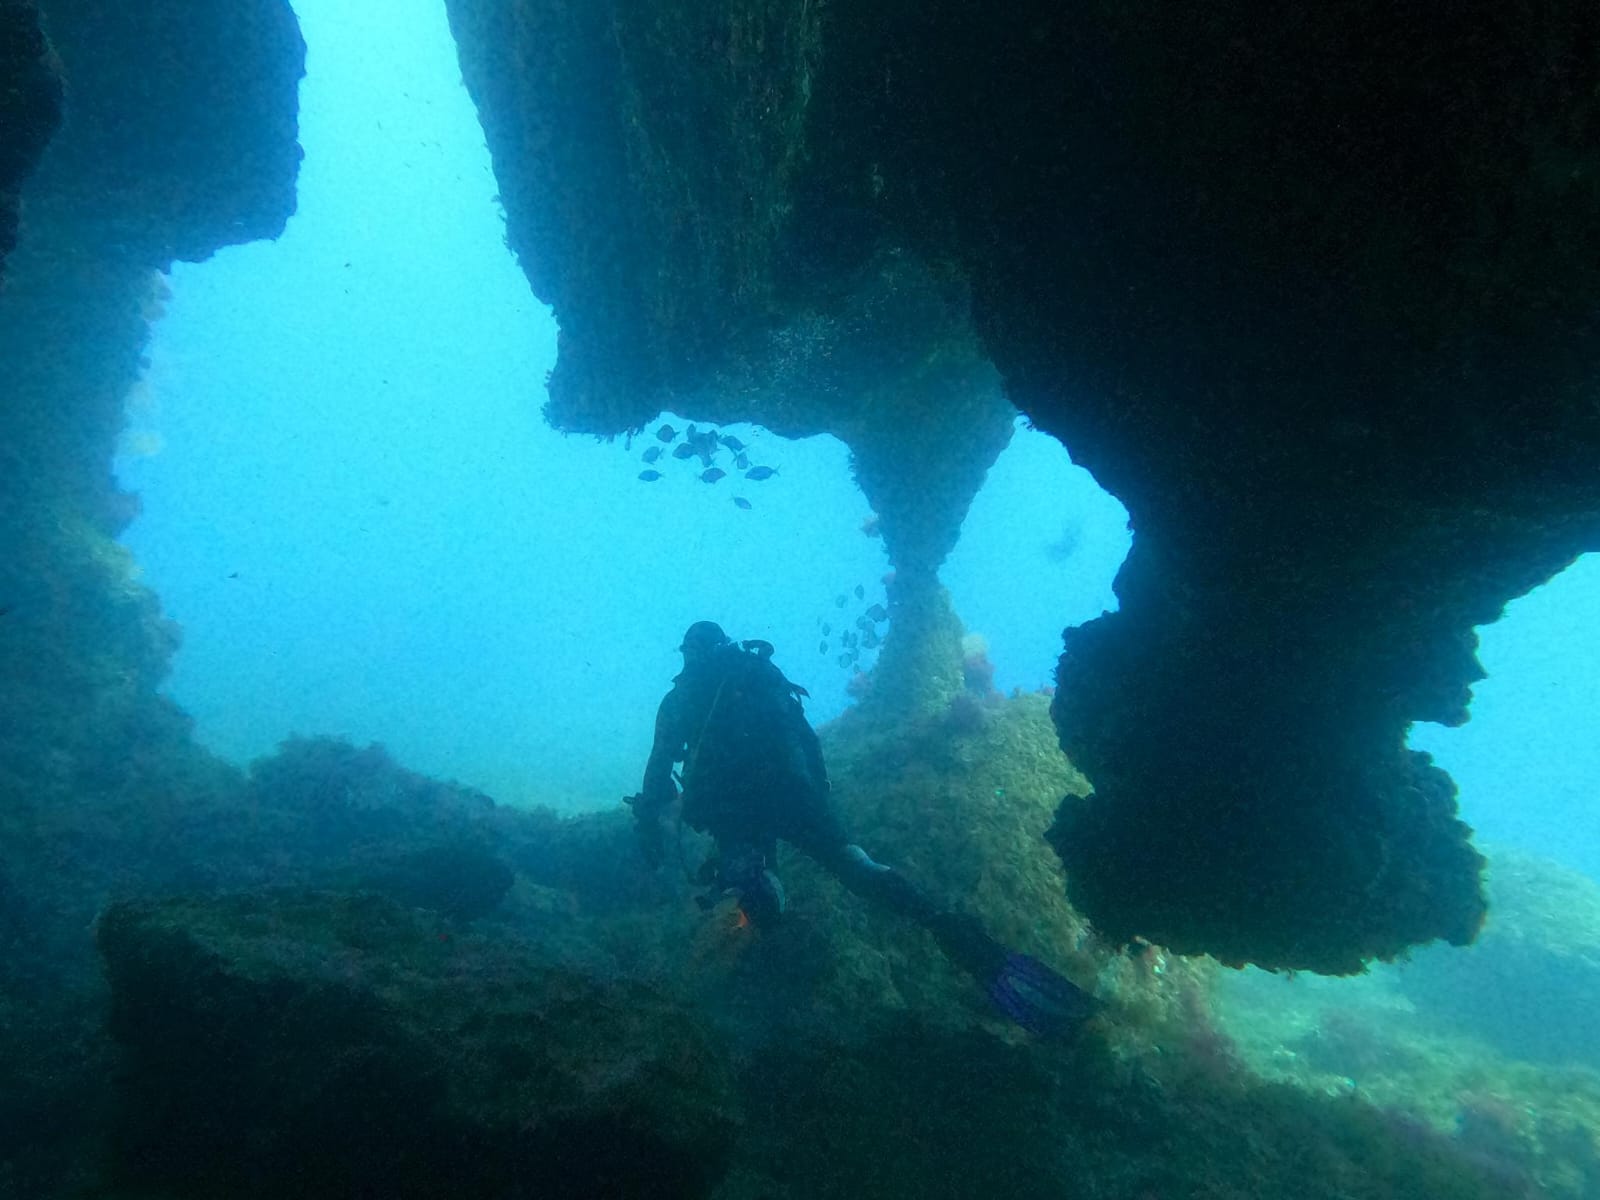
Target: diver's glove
[(647, 828)]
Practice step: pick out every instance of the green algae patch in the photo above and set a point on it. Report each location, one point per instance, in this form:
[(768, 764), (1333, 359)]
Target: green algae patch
[(583, 1041), (1536, 1129)]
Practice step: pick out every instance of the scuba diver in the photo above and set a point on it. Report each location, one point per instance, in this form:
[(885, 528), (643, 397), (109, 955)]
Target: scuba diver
[(753, 775)]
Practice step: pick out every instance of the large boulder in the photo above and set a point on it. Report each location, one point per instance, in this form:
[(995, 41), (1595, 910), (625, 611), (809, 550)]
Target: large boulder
[(339, 1045)]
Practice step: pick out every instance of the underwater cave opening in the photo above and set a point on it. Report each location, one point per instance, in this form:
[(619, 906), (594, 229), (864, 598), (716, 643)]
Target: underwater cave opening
[(353, 509), (351, 505)]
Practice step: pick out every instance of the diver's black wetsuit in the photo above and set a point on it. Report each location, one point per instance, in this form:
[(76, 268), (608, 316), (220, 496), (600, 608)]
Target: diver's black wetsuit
[(753, 774)]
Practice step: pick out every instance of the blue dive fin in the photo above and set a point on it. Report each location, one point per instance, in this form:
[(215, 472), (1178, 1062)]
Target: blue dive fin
[(1038, 999)]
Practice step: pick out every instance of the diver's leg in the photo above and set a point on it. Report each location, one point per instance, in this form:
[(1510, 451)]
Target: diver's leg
[(1027, 991), (810, 824), (744, 867), (855, 868)]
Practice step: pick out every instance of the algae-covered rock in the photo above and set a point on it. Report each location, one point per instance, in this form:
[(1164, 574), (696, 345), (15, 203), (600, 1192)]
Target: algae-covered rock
[(338, 1045), (327, 811), (1531, 984)]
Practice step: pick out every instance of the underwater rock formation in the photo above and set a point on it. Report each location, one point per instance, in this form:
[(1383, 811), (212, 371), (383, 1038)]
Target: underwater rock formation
[(319, 1044), (30, 108), (180, 139), (1327, 338), (178, 136)]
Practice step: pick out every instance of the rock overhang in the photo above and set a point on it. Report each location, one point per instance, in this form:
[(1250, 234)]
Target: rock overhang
[(1313, 293)]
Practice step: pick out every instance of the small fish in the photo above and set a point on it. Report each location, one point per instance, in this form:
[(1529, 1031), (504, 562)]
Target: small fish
[(741, 502), (233, 574), (845, 660), (666, 433), (878, 613), (742, 461), (869, 640), (684, 450), (861, 592), (652, 454), (711, 474), (1065, 546), (822, 647), (840, 600), (826, 629), (649, 476), (732, 443), (869, 525), (760, 473)]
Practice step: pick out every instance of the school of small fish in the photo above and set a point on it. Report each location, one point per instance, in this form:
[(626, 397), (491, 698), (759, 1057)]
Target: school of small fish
[(863, 635), (705, 444)]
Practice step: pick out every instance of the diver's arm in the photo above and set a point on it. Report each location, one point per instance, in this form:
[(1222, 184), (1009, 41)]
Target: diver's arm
[(650, 806), (659, 791)]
